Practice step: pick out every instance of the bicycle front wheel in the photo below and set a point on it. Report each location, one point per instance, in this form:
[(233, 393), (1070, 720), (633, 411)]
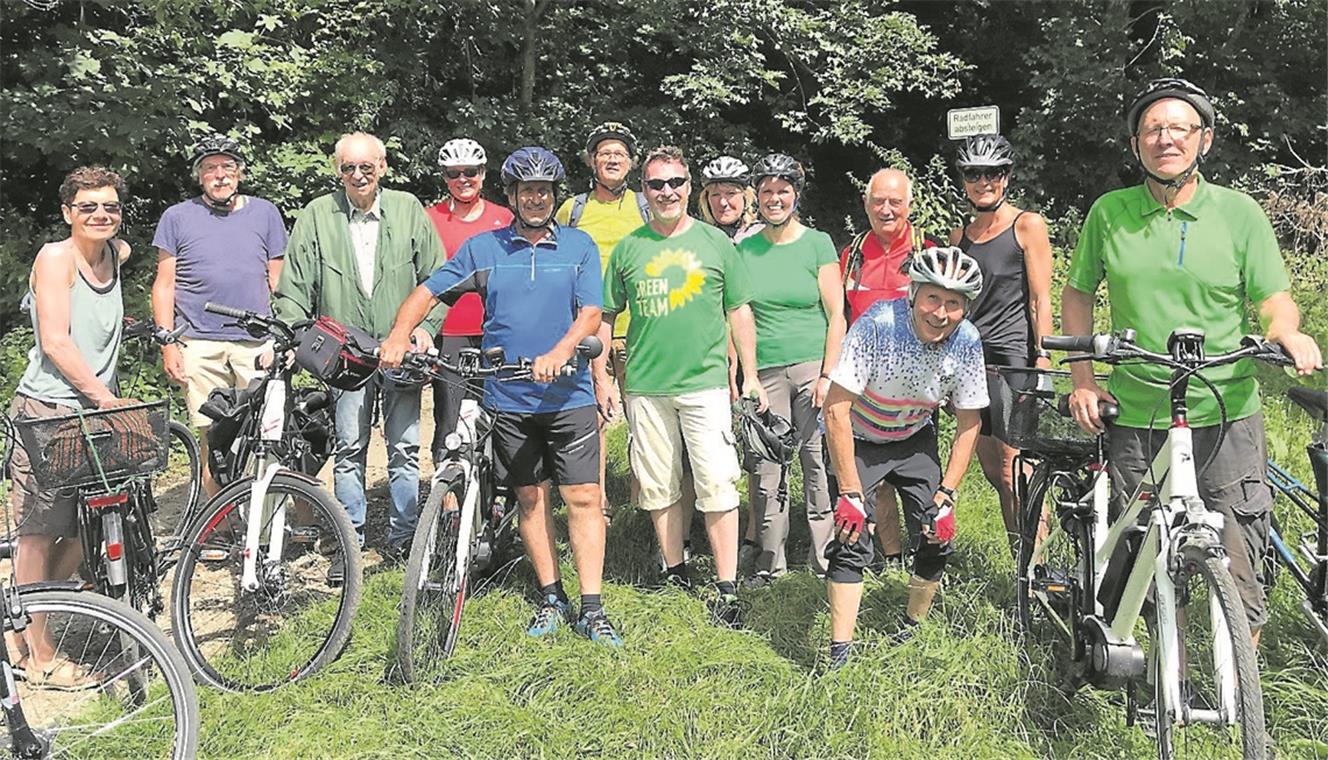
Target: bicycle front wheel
[(1198, 726), (112, 684), (435, 588), (294, 617)]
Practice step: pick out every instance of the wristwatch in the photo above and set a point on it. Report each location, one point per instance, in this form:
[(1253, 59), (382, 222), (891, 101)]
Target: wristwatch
[(948, 492), (1043, 353)]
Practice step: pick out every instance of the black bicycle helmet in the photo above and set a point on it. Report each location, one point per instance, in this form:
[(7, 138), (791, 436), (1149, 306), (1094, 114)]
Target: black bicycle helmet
[(1169, 87), (611, 130), (985, 151), (531, 164), (779, 165), (215, 145)]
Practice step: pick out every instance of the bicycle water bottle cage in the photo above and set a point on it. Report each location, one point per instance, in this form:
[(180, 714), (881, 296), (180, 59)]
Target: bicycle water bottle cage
[(1186, 345)]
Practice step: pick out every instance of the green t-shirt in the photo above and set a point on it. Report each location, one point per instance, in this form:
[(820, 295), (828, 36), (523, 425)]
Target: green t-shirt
[(1195, 266), (679, 291), (786, 300)]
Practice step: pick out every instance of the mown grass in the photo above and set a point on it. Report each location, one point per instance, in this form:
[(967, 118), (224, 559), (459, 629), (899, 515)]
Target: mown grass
[(682, 688)]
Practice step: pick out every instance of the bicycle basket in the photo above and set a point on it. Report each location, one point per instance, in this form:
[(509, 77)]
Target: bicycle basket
[(79, 449), (1028, 420)]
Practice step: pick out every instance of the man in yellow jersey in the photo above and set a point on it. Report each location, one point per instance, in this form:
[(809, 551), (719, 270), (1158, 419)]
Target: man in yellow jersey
[(608, 213)]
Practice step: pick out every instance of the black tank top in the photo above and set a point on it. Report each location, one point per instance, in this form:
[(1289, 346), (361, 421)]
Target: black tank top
[(1000, 312)]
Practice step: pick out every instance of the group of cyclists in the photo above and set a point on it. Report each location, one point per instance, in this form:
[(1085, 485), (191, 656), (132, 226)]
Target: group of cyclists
[(858, 347)]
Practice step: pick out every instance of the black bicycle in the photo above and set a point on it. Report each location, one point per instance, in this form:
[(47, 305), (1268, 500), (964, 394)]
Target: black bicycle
[(465, 528), (1310, 570)]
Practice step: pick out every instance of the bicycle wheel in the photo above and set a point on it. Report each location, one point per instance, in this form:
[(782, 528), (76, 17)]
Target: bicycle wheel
[(1204, 590), (434, 591), (178, 488), (294, 620), (1054, 564), (105, 699)]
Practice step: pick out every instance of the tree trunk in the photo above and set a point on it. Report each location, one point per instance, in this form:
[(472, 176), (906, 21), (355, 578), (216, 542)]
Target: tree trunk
[(528, 52)]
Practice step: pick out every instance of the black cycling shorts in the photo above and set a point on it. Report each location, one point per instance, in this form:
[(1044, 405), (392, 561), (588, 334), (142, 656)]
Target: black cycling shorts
[(562, 446)]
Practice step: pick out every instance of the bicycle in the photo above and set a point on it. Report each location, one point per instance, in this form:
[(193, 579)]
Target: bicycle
[(183, 454), (465, 528), (124, 686), (252, 602), (1161, 561), (1312, 575)]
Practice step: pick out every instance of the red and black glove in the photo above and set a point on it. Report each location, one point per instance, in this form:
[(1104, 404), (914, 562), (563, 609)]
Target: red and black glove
[(850, 515), (941, 519)]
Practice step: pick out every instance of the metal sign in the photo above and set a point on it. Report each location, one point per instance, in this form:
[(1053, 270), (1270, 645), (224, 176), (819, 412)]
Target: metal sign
[(967, 122)]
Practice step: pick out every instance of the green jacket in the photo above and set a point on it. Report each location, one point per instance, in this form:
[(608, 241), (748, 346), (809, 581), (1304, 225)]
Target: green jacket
[(321, 276)]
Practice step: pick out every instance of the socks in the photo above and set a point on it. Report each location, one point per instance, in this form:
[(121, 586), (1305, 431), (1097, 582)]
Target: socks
[(590, 603), (839, 650), (555, 590)]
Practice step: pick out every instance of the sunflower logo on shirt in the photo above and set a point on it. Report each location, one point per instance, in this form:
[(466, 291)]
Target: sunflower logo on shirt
[(673, 278)]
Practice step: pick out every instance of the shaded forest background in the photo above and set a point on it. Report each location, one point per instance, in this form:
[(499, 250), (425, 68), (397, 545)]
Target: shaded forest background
[(846, 87)]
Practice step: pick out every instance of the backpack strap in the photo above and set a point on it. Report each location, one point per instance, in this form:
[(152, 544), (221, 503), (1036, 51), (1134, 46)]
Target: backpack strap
[(643, 207), (578, 208)]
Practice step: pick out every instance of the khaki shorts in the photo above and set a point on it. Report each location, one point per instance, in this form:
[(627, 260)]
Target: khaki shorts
[(38, 513), (212, 364), (661, 425)]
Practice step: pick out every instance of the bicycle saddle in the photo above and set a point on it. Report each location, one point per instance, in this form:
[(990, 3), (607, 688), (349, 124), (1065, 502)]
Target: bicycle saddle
[(1315, 403)]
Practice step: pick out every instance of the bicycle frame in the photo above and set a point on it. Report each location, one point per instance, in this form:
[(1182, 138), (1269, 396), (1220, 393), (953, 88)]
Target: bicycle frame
[(272, 427), (1314, 581)]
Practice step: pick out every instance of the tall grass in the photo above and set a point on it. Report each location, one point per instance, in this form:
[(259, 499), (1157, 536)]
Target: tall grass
[(684, 688)]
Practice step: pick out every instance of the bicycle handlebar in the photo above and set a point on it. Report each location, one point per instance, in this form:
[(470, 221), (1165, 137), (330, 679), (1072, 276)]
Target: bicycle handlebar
[(258, 324), (1120, 347), (147, 330)]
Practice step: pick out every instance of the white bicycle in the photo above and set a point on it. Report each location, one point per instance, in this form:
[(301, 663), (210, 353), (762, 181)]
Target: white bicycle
[(1092, 579)]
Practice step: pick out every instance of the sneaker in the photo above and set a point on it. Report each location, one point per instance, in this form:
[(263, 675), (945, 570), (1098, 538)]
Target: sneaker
[(727, 610), (597, 627), (686, 557), (758, 580), (839, 655), (551, 612), (908, 629)]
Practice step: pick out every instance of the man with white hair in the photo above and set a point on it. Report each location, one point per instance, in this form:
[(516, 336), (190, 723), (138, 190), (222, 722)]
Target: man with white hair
[(354, 256)]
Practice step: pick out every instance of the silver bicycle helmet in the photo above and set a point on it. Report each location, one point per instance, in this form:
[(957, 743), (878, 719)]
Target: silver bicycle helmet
[(949, 268), (215, 145), (779, 165), (1170, 87), (461, 152), (724, 169), (985, 150)]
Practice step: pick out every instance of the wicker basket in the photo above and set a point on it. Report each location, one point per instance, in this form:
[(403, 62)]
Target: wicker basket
[(82, 448), (1028, 420)]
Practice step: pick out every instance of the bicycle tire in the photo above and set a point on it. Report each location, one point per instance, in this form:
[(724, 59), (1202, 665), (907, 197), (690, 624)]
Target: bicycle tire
[(184, 453), (1211, 573), (1064, 559), (296, 621), (432, 600), (106, 720)]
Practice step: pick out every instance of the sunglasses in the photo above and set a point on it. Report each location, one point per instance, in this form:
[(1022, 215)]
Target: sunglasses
[(469, 173), (659, 184), (111, 207), (974, 175), (366, 168)]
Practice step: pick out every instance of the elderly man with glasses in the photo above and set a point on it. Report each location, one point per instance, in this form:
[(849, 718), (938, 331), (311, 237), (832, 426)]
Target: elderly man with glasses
[(354, 256)]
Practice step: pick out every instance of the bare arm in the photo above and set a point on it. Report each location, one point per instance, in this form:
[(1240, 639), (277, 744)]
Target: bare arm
[(743, 329), (968, 425), (832, 299), (1077, 319), (1281, 317), (839, 435), (274, 273), (412, 312), (163, 313), (53, 274), (1031, 230), (587, 323)]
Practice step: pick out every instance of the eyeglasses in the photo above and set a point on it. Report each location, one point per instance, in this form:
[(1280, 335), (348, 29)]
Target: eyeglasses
[(111, 207), (225, 167), (612, 154), (993, 174), (1177, 132), (366, 168), (658, 184), (469, 172)]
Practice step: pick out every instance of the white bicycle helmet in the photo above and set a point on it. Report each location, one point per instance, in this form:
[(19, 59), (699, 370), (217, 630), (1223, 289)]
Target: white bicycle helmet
[(461, 152), (724, 169), (949, 268)]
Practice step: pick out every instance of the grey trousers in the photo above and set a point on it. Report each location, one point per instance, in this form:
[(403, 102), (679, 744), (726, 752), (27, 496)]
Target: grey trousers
[(790, 390)]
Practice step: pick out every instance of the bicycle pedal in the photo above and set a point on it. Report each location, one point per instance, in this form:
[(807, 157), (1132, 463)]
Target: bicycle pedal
[(305, 535), (212, 555)]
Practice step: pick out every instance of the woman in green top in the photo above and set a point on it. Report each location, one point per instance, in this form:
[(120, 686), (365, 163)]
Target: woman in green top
[(798, 305)]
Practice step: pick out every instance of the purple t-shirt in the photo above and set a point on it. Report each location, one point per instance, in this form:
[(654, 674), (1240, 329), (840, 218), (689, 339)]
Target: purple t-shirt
[(220, 257)]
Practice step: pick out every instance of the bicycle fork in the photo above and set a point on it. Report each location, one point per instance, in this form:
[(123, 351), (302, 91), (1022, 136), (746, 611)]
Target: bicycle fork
[(272, 425)]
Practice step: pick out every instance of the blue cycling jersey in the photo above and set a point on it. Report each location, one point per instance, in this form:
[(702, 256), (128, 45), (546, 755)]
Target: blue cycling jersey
[(532, 294)]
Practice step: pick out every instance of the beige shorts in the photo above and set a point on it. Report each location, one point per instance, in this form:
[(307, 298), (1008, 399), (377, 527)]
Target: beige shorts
[(38, 513), (212, 364), (660, 425)]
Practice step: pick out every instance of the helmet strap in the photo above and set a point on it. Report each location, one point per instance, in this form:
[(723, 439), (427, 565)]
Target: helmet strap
[(226, 204), (787, 219), (987, 209), (617, 190)]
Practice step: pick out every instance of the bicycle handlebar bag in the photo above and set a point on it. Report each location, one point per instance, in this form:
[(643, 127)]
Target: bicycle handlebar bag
[(343, 357)]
